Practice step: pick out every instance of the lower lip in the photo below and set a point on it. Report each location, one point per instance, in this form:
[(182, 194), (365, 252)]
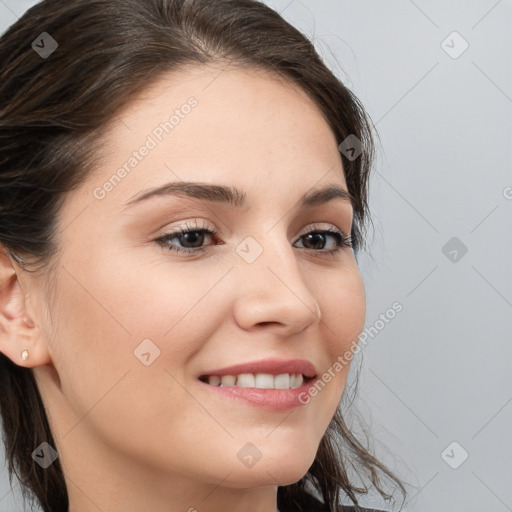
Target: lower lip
[(275, 400)]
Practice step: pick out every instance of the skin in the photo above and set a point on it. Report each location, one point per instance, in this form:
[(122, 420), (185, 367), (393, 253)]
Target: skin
[(133, 437)]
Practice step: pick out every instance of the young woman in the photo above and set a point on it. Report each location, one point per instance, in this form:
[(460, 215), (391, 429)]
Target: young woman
[(183, 191)]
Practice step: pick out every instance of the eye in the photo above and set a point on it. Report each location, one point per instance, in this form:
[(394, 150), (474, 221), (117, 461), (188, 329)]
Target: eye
[(317, 239), (192, 239)]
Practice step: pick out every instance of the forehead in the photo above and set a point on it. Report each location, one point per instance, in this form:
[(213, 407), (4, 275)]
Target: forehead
[(240, 126)]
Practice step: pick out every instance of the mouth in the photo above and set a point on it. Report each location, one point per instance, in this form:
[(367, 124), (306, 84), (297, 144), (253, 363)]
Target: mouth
[(274, 385), (258, 380)]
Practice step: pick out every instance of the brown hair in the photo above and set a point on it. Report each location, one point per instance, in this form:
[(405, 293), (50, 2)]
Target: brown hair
[(53, 111)]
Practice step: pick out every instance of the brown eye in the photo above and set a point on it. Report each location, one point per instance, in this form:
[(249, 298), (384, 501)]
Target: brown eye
[(318, 239), (187, 238)]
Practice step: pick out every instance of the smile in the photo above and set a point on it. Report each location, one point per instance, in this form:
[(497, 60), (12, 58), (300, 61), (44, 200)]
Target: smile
[(256, 380)]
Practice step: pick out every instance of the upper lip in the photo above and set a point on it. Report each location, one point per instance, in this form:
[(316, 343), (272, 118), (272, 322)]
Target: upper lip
[(270, 366)]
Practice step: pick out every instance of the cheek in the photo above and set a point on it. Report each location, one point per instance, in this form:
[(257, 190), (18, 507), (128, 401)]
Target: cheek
[(103, 314), (343, 305), (113, 310)]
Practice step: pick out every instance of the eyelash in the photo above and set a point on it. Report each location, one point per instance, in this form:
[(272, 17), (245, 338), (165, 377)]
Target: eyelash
[(342, 240)]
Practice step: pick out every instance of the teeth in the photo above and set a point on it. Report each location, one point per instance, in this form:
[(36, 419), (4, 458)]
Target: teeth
[(282, 381), (258, 380), (246, 380), (296, 380), (226, 380), (214, 380)]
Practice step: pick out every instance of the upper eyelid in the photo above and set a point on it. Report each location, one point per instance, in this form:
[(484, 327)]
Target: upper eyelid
[(344, 239), (319, 227), (213, 233), (316, 226), (164, 239)]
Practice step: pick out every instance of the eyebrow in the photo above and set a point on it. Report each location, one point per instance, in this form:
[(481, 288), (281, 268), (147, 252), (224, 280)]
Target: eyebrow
[(234, 196)]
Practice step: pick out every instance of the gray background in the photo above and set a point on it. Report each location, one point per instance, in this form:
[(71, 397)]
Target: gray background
[(439, 372)]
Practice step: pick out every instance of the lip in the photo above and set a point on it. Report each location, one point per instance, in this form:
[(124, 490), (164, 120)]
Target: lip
[(270, 366), (272, 400)]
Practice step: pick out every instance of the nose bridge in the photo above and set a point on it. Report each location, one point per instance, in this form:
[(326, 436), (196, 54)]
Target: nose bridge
[(273, 289)]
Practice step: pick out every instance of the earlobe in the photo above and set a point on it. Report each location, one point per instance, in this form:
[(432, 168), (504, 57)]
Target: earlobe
[(20, 338)]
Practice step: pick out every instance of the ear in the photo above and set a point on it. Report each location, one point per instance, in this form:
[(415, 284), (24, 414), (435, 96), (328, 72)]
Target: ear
[(18, 329)]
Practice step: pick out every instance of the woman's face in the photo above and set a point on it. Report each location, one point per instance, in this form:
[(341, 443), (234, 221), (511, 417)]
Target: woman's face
[(135, 323)]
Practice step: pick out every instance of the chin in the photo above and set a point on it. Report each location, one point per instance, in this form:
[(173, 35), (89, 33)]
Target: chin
[(277, 469), (280, 477)]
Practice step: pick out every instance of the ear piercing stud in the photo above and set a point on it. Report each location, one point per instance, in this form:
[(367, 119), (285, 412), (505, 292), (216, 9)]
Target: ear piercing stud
[(24, 354)]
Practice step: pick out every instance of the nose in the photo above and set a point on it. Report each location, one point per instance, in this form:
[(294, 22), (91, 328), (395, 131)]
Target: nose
[(272, 291)]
